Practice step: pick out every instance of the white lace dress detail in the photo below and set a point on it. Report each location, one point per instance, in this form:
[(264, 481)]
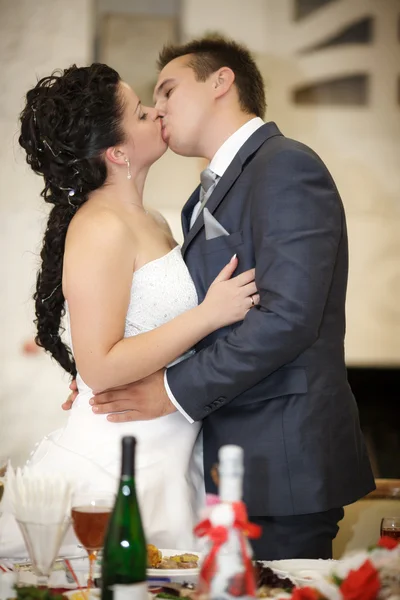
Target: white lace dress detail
[(155, 299), (87, 449)]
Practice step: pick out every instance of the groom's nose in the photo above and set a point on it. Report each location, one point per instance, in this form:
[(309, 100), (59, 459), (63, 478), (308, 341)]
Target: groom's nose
[(154, 113), (159, 106)]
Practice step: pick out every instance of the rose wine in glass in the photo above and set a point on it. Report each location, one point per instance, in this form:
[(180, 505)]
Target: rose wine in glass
[(390, 527), (90, 515)]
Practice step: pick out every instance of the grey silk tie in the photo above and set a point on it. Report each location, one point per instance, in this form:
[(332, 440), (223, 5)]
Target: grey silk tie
[(208, 180)]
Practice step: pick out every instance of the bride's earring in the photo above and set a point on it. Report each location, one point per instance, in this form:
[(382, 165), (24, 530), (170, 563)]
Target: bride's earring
[(128, 164)]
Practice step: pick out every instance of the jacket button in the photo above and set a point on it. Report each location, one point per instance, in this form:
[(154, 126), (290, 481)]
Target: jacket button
[(207, 409)]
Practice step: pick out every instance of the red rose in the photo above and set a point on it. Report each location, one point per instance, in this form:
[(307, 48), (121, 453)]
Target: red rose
[(362, 584), (305, 593), (387, 542)]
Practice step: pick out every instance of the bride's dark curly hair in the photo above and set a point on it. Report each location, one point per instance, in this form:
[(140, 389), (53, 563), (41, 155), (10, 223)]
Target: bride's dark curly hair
[(69, 120)]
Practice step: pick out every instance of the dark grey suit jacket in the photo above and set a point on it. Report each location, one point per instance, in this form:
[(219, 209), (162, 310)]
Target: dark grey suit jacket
[(276, 383)]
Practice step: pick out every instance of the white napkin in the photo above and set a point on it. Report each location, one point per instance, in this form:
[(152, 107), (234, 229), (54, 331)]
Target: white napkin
[(38, 498)]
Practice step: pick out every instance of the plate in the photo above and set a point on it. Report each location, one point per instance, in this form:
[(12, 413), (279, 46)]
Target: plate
[(302, 570), (180, 575)]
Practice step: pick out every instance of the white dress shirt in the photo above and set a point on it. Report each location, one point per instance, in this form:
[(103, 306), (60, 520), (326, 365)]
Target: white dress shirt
[(219, 164)]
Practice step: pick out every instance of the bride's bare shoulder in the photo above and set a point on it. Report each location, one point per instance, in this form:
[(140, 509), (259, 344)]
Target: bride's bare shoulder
[(93, 216), (97, 223)]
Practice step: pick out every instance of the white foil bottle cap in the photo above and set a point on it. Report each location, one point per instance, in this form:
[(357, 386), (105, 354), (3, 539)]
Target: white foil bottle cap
[(230, 452)]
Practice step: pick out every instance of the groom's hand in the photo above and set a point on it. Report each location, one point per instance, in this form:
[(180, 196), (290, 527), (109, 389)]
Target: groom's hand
[(140, 401)]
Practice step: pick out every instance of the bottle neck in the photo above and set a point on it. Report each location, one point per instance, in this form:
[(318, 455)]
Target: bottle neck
[(231, 469), (231, 483), (230, 489), (128, 459)]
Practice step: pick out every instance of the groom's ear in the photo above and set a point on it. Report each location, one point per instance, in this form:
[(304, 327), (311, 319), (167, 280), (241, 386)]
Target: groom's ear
[(223, 80), (115, 155)]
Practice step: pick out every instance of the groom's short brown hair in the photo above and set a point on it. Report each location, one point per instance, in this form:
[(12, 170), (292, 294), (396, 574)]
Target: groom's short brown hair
[(210, 54)]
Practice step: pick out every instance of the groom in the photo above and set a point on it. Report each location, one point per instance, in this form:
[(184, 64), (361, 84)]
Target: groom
[(275, 384)]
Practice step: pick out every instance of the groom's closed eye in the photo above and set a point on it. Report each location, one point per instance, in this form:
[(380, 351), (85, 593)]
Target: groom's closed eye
[(162, 87)]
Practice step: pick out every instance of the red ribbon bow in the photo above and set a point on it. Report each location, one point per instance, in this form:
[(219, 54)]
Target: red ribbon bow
[(250, 530), (219, 535)]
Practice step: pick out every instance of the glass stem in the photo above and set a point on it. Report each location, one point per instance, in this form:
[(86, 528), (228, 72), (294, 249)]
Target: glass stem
[(92, 559)]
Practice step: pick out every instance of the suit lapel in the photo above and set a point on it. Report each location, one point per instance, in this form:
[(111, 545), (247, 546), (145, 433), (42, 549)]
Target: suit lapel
[(226, 182), (188, 209)]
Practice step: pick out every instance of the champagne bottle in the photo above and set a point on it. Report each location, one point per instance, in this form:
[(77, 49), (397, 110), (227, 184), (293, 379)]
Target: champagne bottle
[(125, 552), (227, 571)]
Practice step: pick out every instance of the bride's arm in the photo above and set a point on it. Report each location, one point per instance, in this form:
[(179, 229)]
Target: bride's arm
[(98, 270)]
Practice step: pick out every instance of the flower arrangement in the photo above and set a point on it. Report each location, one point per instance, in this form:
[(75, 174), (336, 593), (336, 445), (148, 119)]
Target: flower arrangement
[(372, 574)]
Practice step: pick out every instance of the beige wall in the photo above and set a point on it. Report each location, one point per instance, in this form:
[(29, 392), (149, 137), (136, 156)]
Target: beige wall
[(35, 37)]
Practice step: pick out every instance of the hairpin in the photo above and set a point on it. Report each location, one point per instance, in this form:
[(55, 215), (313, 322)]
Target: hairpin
[(44, 141), (71, 194), (48, 297)]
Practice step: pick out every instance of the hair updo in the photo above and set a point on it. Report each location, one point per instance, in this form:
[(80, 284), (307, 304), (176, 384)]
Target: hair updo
[(69, 120)]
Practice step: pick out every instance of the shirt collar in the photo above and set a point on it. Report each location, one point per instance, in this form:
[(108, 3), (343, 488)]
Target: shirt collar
[(226, 153)]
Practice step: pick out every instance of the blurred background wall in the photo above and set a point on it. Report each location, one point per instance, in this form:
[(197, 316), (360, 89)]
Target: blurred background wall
[(35, 38), (332, 75)]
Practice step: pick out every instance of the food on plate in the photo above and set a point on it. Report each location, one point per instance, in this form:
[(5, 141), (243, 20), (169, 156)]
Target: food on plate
[(269, 583), (180, 561), (155, 560), (154, 556)]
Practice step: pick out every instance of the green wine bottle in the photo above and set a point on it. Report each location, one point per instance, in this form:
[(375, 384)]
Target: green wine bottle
[(125, 552)]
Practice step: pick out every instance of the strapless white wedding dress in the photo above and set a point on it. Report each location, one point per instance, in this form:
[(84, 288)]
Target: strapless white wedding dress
[(87, 450)]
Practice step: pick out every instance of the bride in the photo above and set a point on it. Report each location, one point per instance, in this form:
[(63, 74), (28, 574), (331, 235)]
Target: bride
[(130, 303)]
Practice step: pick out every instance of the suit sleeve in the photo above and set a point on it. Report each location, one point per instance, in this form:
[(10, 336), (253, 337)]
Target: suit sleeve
[(296, 218)]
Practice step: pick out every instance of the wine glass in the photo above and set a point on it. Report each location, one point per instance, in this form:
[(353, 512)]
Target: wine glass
[(90, 513), (390, 527), (43, 541)]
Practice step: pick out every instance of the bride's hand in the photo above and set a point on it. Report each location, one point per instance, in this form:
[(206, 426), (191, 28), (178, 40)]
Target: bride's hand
[(229, 299), (67, 405)]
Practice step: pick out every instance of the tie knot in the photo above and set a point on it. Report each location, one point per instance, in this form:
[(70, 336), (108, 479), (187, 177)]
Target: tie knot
[(207, 179)]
